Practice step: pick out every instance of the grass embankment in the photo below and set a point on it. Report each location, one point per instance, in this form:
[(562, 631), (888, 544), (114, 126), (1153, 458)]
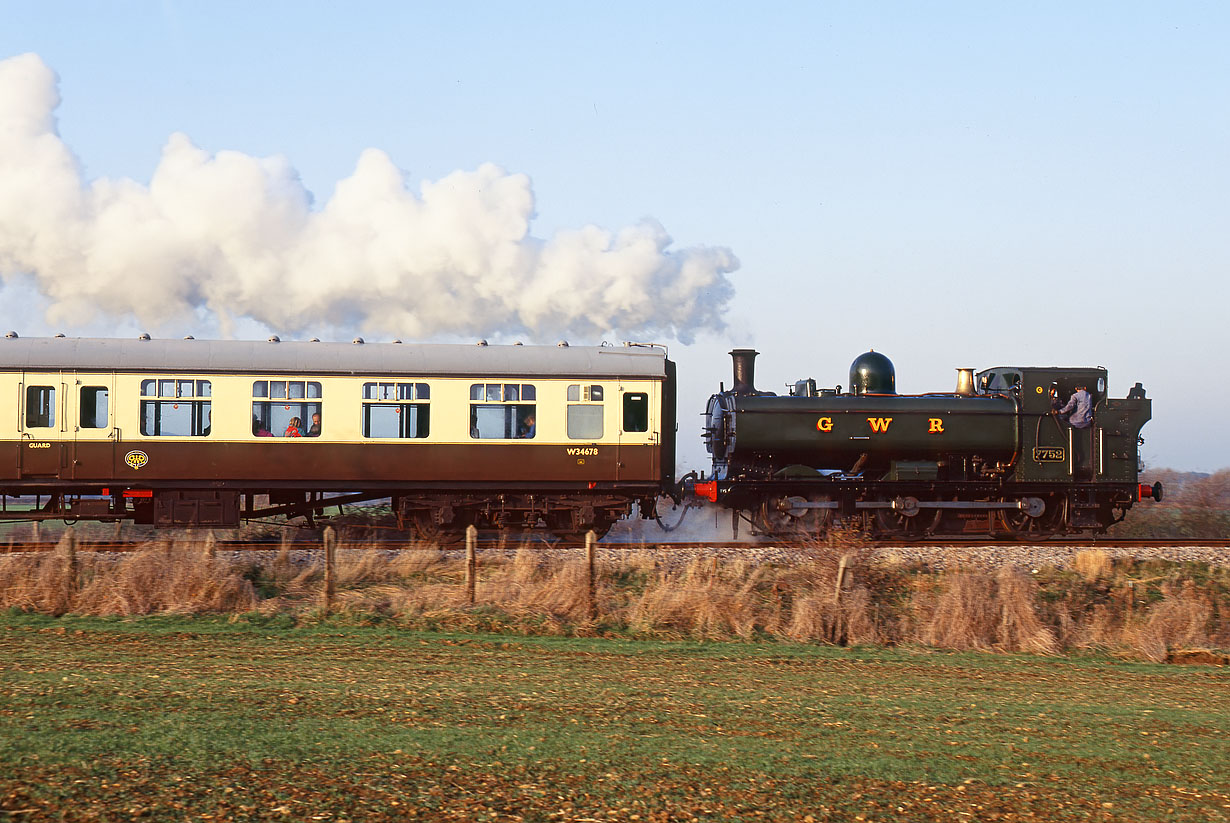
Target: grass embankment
[(174, 718), (1145, 610)]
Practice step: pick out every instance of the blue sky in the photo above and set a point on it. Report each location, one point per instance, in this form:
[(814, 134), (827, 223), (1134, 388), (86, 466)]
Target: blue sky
[(954, 184)]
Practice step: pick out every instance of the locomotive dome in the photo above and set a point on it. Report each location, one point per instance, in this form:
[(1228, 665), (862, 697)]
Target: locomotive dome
[(872, 373)]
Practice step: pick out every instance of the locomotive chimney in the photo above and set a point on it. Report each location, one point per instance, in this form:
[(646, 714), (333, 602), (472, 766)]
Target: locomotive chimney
[(965, 382), (745, 370)]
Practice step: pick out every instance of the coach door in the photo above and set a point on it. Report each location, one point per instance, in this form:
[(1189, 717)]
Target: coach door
[(93, 425), (639, 450), (42, 423)]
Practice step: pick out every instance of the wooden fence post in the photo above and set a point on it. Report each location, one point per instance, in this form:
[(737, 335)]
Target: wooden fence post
[(471, 562), (36, 535), (211, 545), (68, 546), (841, 577), (591, 541), (330, 539)]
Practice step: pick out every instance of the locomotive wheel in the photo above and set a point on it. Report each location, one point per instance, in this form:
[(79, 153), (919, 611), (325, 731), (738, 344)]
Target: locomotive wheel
[(1019, 523), (909, 522), (772, 519), (776, 516), (817, 521)]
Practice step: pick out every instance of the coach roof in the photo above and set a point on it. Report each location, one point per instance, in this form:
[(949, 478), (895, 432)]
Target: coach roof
[(200, 356)]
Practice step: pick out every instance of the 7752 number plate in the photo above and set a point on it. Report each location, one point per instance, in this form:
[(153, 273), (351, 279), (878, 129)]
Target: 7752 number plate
[(1050, 454)]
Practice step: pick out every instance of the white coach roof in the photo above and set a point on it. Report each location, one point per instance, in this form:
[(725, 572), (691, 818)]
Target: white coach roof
[(142, 355)]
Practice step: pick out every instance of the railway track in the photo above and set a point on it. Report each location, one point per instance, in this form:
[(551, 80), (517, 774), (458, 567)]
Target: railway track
[(122, 546)]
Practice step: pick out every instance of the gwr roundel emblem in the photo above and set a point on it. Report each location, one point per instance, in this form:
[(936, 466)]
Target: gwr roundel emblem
[(136, 459)]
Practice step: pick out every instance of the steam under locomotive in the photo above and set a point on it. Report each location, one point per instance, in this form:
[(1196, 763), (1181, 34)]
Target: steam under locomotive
[(991, 456)]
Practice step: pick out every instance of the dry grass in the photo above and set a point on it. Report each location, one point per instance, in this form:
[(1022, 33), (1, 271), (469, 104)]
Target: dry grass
[(1092, 564), (1181, 620), (164, 578), (834, 593), (705, 599), (974, 610)]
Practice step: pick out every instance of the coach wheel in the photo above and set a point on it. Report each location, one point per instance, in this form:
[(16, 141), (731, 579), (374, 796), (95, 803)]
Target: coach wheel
[(429, 531), (565, 528)]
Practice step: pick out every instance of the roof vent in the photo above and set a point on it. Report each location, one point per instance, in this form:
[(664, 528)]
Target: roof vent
[(273, 338), (481, 343), (59, 334), (358, 341), (143, 336), (189, 337), (563, 344), (314, 340), (396, 341), (12, 335), (518, 343)]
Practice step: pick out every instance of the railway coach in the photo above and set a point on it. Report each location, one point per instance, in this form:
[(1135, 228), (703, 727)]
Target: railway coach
[(204, 433)]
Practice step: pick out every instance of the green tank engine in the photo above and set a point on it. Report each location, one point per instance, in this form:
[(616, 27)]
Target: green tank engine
[(990, 455)]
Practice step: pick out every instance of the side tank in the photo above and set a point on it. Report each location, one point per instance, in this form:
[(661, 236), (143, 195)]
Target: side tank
[(751, 432)]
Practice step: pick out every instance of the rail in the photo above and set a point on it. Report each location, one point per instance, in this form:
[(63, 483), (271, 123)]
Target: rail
[(121, 546)]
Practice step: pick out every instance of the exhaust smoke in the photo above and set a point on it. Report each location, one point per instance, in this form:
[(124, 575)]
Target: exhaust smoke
[(224, 235)]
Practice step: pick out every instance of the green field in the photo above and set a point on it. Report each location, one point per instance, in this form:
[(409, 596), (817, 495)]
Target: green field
[(175, 719)]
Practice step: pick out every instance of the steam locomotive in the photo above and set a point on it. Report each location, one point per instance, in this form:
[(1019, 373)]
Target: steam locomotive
[(992, 456)]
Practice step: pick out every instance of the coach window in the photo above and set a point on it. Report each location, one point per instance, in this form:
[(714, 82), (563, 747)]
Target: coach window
[(584, 412), (396, 410), (286, 408), (636, 412), (40, 407), (175, 407), (503, 411), (94, 407)]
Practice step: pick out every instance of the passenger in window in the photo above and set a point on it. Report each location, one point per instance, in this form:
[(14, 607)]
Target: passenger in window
[(258, 428), (292, 428), (527, 426), (314, 429), (209, 421)]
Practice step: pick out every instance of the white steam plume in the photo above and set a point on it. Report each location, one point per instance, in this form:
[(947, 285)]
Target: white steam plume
[(236, 236)]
